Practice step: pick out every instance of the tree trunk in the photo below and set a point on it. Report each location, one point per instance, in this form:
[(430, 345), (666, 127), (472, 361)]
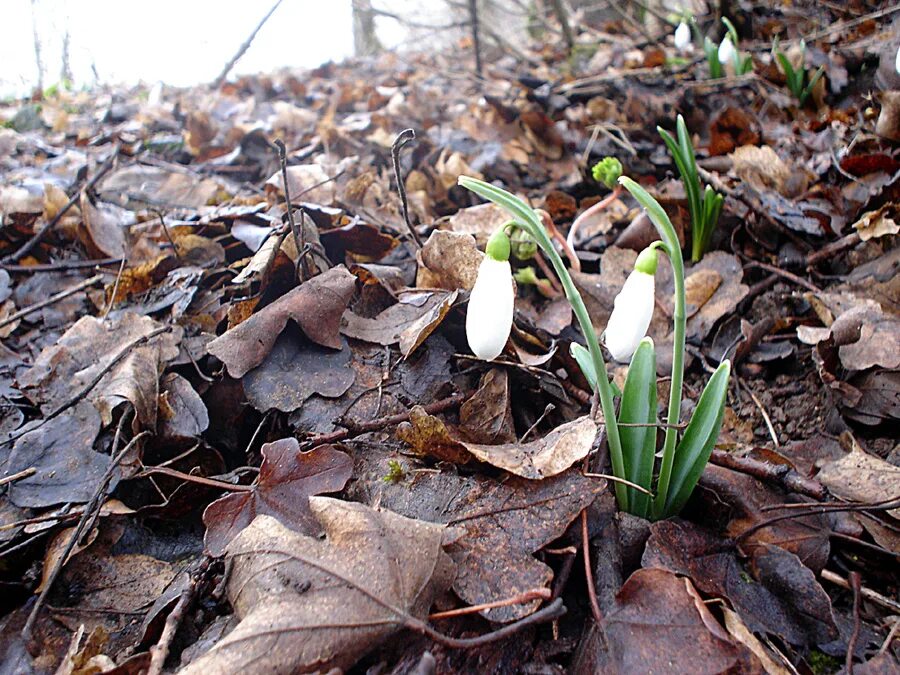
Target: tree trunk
[(365, 41)]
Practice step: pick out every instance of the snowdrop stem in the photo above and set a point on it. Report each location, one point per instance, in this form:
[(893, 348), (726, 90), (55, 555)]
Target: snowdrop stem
[(672, 248), (529, 221)]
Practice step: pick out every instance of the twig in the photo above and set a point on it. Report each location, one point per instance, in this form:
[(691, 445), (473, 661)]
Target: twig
[(766, 418), (563, 19), (547, 410), (62, 295), (63, 266), (160, 650), (867, 593), (19, 475), (90, 385), (375, 425), (829, 251), (200, 480), (402, 139), (552, 611), (476, 41), (520, 599), (616, 479), (790, 276), (854, 636), (588, 573), (299, 235), (89, 508), (783, 474), (243, 48), (38, 237), (115, 290)]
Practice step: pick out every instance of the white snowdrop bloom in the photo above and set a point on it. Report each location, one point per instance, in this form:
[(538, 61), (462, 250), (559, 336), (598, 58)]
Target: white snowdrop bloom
[(726, 51), (633, 308), (897, 61), (682, 37), (490, 312)]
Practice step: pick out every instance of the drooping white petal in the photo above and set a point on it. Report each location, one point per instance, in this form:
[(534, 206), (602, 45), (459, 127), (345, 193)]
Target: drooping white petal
[(897, 61), (726, 51), (490, 312), (682, 37), (631, 316)]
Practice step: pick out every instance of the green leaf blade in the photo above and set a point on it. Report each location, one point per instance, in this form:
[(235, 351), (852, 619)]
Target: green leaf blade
[(639, 407), (700, 436)]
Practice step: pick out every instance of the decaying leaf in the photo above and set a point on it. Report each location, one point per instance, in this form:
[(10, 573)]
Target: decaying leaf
[(64, 369), (861, 477), (659, 620), (448, 260), (874, 224), (316, 306), (287, 478), (308, 604), (487, 416)]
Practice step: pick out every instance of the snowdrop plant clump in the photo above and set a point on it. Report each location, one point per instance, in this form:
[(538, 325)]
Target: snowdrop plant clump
[(632, 433), (726, 53)]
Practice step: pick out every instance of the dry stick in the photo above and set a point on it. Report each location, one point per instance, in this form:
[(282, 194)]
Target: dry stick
[(402, 139), (476, 41), (849, 241), (766, 418), (851, 644), (160, 650), (190, 478), (375, 425), (588, 573), (64, 266), (243, 48), (19, 475), (62, 295), (867, 593), (784, 475), (27, 247), (563, 19), (520, 599), (115, 290), (89, 508), (90, 385), (790, 276), (815, 511), (299, 236)]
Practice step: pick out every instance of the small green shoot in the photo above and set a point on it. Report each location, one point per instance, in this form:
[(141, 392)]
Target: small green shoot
[(711, 49), (799, 81), (395, 472), (705, 208)]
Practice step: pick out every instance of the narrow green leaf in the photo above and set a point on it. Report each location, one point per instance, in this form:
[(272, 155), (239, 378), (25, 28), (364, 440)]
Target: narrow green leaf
[(712, 58), (699, 439), (656, 212), (639, 407), (583, 358), (691, 185)]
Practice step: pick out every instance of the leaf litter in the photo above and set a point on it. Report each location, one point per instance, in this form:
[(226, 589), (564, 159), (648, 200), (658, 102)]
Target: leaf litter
[(188, 361)]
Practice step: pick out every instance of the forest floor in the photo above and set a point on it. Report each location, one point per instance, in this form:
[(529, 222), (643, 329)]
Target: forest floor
[(238, 437)]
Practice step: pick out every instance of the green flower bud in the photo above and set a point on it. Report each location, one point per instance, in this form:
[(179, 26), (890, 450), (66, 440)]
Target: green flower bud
[(607, 171), (523, 246), (526, 276)]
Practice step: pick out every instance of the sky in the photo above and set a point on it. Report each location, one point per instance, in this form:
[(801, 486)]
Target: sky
[(180, 42)]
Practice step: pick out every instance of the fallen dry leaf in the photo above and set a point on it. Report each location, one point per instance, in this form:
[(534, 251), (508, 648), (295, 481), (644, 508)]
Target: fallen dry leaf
[(448, 260), (658, 621), (861, 477), (875, 224), (316, 306), (307, 604), (287, 478)]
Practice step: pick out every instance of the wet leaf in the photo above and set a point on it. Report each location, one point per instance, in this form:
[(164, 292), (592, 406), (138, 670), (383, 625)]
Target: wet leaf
[(316, 306), (659, 620), (309, 604), (287, 479)]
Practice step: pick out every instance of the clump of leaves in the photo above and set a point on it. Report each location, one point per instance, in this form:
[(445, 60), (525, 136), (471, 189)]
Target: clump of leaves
[(799, 80), (705, 209), (395, 472), (607, 171)]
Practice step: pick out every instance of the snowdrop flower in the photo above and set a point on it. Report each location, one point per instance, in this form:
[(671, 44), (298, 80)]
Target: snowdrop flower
[(682, 37), (490, 313), (897, 61), (726, 51), (633, 308)]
